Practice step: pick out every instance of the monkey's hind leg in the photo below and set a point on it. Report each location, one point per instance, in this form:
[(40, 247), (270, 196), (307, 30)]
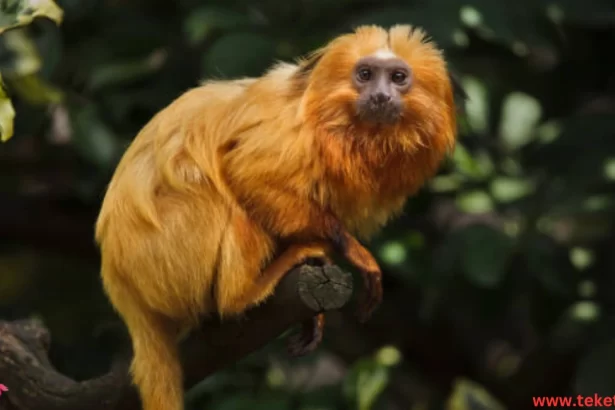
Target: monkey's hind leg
[(266, 280)]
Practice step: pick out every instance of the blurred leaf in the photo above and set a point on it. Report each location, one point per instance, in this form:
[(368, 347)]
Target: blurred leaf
[(33, 89), (92, 137), (596, 371), (476, 167), (18, 54), (594, 12), (581, 258), (512, 24), (7, 114), (520, 115), (585, 311), (393, 253), (546, 262), (445, 183), (202, 21), (223, 60), (590, 134), (477, 105), (365, 383), (481, 252), (506, 189), (388, 356), (112, 74), (485, 253), (468, 395), (474, 202), (14, 13)]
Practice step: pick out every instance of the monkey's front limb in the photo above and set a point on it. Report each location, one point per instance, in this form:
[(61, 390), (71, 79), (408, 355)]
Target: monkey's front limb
[(298, 220)]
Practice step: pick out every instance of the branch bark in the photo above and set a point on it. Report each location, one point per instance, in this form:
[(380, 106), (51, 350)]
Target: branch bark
[(34, 384)]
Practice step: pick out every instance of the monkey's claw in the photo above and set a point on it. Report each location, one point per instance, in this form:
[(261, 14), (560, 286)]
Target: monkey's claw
[(308, 338), (371, 296)]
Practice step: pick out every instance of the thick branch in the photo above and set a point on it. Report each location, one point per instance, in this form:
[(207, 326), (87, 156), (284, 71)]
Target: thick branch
[(35, 385)]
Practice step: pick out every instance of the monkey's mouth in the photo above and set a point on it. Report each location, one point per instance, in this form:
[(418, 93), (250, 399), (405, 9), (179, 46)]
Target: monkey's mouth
[(378, 113)]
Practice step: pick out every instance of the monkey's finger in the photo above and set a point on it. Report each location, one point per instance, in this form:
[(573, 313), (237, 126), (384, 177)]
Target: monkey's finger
[(371, 296), (308, 338)]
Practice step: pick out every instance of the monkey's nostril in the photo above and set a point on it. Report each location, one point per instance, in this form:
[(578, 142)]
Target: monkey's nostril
[(381, 97)]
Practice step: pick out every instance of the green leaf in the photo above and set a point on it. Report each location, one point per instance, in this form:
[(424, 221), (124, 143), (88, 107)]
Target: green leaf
[(18, 54), (485, 253), (365, 383), (475, 201), (481, 253), (596, 371), (92, 137), (15, 13), (468, 395), (520, 115), (224, 60), (505, 189), (7, 114), (477, 105), (120, 72), (393, 253), (35, 90)]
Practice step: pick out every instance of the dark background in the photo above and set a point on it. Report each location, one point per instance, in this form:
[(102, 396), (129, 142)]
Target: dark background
[(499, 277)]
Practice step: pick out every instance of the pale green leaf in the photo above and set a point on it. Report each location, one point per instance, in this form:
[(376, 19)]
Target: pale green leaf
[(7, 114), (35, 90), (370, 385), (520, 115), (15, 13), (365, 383), (23, 58), (468, 395)]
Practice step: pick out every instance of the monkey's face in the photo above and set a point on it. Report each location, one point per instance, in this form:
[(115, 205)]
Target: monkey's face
[(390, 84), (381, 81)]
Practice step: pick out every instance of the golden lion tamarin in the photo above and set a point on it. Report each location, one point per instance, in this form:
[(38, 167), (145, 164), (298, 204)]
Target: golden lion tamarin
[(236, 182)]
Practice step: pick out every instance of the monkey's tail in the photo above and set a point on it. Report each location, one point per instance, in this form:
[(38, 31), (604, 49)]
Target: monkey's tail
[(155, 368)]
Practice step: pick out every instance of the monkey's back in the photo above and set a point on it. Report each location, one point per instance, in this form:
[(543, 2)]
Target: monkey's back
[(165, 216)]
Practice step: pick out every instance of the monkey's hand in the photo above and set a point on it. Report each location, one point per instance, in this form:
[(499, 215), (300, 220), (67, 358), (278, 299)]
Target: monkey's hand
[(363, 260)]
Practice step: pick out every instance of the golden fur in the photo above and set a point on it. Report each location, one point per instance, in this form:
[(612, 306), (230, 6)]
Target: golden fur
[(195, 213)]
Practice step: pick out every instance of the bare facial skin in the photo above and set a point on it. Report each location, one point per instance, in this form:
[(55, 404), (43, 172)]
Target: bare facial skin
[(382, 80)]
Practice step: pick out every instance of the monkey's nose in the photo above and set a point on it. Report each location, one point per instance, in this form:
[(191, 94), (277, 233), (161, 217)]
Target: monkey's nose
[(380, 97)]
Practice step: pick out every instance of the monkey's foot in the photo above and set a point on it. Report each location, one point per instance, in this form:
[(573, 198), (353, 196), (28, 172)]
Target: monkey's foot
[(308, 338)]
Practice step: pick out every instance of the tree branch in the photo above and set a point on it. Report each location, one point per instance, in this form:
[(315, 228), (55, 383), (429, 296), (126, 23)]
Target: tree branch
[(34, 384)]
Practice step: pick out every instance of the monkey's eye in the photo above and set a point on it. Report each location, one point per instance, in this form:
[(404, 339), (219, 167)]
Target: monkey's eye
[(364, 74), (399, 77)]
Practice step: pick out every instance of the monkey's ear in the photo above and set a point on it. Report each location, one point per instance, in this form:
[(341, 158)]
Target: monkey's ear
[(307, 64), (305, 67)]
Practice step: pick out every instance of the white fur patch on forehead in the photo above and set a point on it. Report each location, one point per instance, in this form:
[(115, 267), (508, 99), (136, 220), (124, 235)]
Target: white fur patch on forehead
[(384, 54)]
